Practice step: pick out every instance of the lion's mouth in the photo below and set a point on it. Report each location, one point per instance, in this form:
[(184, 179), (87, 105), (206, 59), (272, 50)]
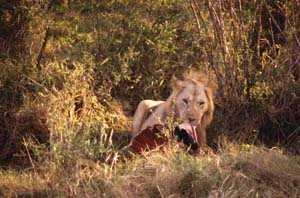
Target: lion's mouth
[(186, 133)]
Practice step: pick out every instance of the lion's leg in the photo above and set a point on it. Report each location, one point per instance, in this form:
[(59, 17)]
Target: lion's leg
[(140, 114), (204, 148)]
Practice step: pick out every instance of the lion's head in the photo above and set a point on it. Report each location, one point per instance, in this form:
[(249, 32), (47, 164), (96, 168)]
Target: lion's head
[(194, 99)]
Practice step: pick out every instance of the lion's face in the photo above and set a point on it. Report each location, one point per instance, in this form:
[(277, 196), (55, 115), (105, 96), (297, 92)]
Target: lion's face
[(191, 102)]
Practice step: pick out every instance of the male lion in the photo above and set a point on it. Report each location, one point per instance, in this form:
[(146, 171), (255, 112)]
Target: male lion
[(190, 102)]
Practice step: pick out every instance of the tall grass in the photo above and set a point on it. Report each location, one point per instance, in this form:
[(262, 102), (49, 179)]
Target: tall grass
[(66, 102)]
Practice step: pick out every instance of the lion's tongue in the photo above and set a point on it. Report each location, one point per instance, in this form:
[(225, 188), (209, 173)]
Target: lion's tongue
[(190, 129)]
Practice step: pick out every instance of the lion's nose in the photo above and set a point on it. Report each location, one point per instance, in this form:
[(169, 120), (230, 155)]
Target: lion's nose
[(191, 119)]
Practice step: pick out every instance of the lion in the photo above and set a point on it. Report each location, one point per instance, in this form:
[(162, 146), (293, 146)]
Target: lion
[(191, 101)]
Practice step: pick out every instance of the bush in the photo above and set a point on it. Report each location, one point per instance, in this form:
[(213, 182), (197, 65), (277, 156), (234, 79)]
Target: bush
[(72, 73)]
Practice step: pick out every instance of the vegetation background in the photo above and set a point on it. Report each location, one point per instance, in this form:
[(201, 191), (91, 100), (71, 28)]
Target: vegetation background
[(73, 71)]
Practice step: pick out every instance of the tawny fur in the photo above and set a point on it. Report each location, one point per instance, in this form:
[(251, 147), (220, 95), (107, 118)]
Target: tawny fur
[(191, 101)]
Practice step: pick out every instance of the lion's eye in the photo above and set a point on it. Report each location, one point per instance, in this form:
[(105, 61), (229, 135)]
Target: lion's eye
[(185, 101), (201, 103)]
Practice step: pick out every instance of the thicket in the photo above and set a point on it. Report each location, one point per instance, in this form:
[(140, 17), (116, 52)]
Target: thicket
[(72, 73)]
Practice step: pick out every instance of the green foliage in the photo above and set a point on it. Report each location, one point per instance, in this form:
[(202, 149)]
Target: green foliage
[(142, 46), (66, 120)]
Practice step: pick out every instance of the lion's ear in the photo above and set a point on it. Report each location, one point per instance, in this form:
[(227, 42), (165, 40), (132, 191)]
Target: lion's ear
[(212, 87), (176, 84)]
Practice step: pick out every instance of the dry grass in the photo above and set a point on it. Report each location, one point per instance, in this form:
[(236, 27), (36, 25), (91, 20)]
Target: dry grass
[(235, 171), (66, 123), (22, 184)]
